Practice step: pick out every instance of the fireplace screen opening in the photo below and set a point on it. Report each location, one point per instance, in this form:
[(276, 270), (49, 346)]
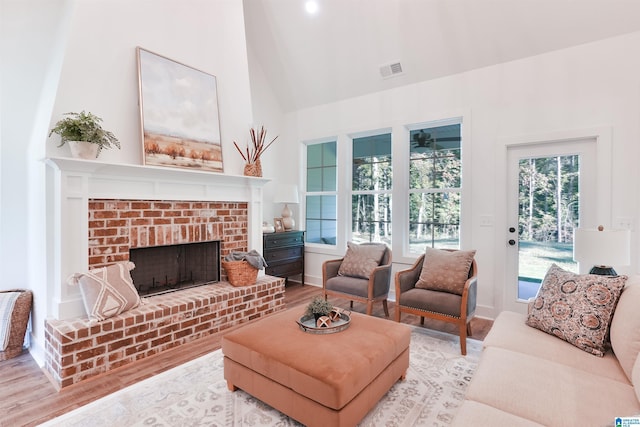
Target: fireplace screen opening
[(161, 269)]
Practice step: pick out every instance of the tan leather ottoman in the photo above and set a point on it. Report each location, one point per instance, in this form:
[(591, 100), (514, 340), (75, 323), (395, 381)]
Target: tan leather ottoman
[(317, 379)]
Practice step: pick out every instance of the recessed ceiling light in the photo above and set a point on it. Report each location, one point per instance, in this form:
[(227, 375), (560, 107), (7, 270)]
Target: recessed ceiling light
[(311, 6)]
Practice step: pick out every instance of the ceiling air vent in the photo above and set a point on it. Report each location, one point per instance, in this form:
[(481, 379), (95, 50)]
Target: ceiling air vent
[(391, 70)]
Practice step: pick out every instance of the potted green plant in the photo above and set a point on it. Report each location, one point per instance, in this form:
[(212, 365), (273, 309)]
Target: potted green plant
[(319, 307), (85, 135)]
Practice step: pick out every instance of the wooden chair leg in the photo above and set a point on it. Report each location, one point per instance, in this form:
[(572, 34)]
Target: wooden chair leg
[(398, 314), (422, 320), (351, 305), (463, 339), (369, 307), (385, 306), (469, 333)]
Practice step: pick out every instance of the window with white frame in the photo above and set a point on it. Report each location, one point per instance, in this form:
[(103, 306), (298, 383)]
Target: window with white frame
[(321, 195), (372, 187), (435, 175)]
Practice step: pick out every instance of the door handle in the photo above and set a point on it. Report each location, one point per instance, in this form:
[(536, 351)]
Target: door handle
[(512, 242)]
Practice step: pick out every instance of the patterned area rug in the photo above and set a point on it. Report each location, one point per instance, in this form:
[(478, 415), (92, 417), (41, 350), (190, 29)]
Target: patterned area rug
[(196, 394)]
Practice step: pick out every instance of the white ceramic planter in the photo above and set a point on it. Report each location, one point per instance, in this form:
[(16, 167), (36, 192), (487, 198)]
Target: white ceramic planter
[(83, 149)]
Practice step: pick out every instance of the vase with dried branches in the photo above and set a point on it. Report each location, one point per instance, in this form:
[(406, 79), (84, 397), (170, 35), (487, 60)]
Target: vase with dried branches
[(253, 151)]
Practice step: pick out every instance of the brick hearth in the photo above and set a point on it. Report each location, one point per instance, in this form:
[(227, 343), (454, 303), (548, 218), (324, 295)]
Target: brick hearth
[(80, 349), (77, 349)]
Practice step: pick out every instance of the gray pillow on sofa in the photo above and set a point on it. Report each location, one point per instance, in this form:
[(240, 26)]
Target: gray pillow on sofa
[(576, 308)]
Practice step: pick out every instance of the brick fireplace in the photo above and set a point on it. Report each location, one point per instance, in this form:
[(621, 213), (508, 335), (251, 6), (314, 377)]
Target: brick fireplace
[(155, 205), (116, 226), (103, 210)]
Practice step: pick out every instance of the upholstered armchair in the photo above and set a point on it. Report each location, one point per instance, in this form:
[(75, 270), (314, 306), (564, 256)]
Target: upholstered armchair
[(363, 275), (442, 285)]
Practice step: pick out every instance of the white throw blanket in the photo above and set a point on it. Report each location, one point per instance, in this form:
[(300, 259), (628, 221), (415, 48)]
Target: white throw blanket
[(7, 301)]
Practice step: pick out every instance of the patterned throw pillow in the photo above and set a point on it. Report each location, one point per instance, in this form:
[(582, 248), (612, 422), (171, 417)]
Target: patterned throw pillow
[(107, 291), (576, 308), (445, 271), (361, 260)]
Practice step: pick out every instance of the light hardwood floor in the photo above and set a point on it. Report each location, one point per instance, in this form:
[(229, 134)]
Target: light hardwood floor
[(28, 398)]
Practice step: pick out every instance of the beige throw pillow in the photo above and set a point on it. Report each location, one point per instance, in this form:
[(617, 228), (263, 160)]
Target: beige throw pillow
[(576, 308), (107, 291), (445, 271), (361, 260), (625, 328)]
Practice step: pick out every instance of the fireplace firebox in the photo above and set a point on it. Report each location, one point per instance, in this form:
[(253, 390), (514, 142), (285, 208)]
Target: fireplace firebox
[(162, 269)]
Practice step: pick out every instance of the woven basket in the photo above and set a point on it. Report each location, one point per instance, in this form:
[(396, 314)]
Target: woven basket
[(240, 273), (19, 320), (253, 169)]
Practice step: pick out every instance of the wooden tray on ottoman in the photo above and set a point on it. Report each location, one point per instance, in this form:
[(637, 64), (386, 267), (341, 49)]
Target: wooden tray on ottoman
[(317, 379)]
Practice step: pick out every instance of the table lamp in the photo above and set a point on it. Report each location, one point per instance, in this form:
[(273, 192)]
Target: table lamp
[(286, 194), (602, 249)]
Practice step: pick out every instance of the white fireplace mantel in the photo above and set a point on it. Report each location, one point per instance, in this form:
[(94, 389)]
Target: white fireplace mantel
[(72, 182)]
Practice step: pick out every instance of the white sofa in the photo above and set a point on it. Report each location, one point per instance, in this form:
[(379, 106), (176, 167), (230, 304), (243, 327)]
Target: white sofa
[(527, 377)]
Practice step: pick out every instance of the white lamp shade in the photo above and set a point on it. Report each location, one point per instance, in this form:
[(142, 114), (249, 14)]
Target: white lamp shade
[(287, 193), (606, 247)]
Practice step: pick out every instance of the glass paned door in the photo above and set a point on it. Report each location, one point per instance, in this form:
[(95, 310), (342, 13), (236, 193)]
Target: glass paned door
[(551, 190), (548, 212)]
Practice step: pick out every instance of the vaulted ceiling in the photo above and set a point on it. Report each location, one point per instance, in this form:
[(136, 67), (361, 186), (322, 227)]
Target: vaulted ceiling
[(337, 53)]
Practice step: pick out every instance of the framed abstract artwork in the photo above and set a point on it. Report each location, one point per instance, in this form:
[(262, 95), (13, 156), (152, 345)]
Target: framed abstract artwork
[(179, 114)]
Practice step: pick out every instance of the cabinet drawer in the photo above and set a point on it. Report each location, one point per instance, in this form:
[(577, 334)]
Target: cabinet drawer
[(283, 254), (288, 269), (277, 240)]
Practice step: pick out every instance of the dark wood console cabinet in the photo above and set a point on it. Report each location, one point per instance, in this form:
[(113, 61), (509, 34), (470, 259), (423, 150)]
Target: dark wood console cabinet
[(284, 253)]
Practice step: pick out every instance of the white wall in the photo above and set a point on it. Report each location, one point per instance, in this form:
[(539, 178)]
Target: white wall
[(100, 72), (32, 43), (592, 85), (79, 55), (267, 112)]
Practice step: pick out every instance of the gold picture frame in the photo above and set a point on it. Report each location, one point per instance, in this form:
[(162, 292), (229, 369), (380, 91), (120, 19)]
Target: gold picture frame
[(278, 224)]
